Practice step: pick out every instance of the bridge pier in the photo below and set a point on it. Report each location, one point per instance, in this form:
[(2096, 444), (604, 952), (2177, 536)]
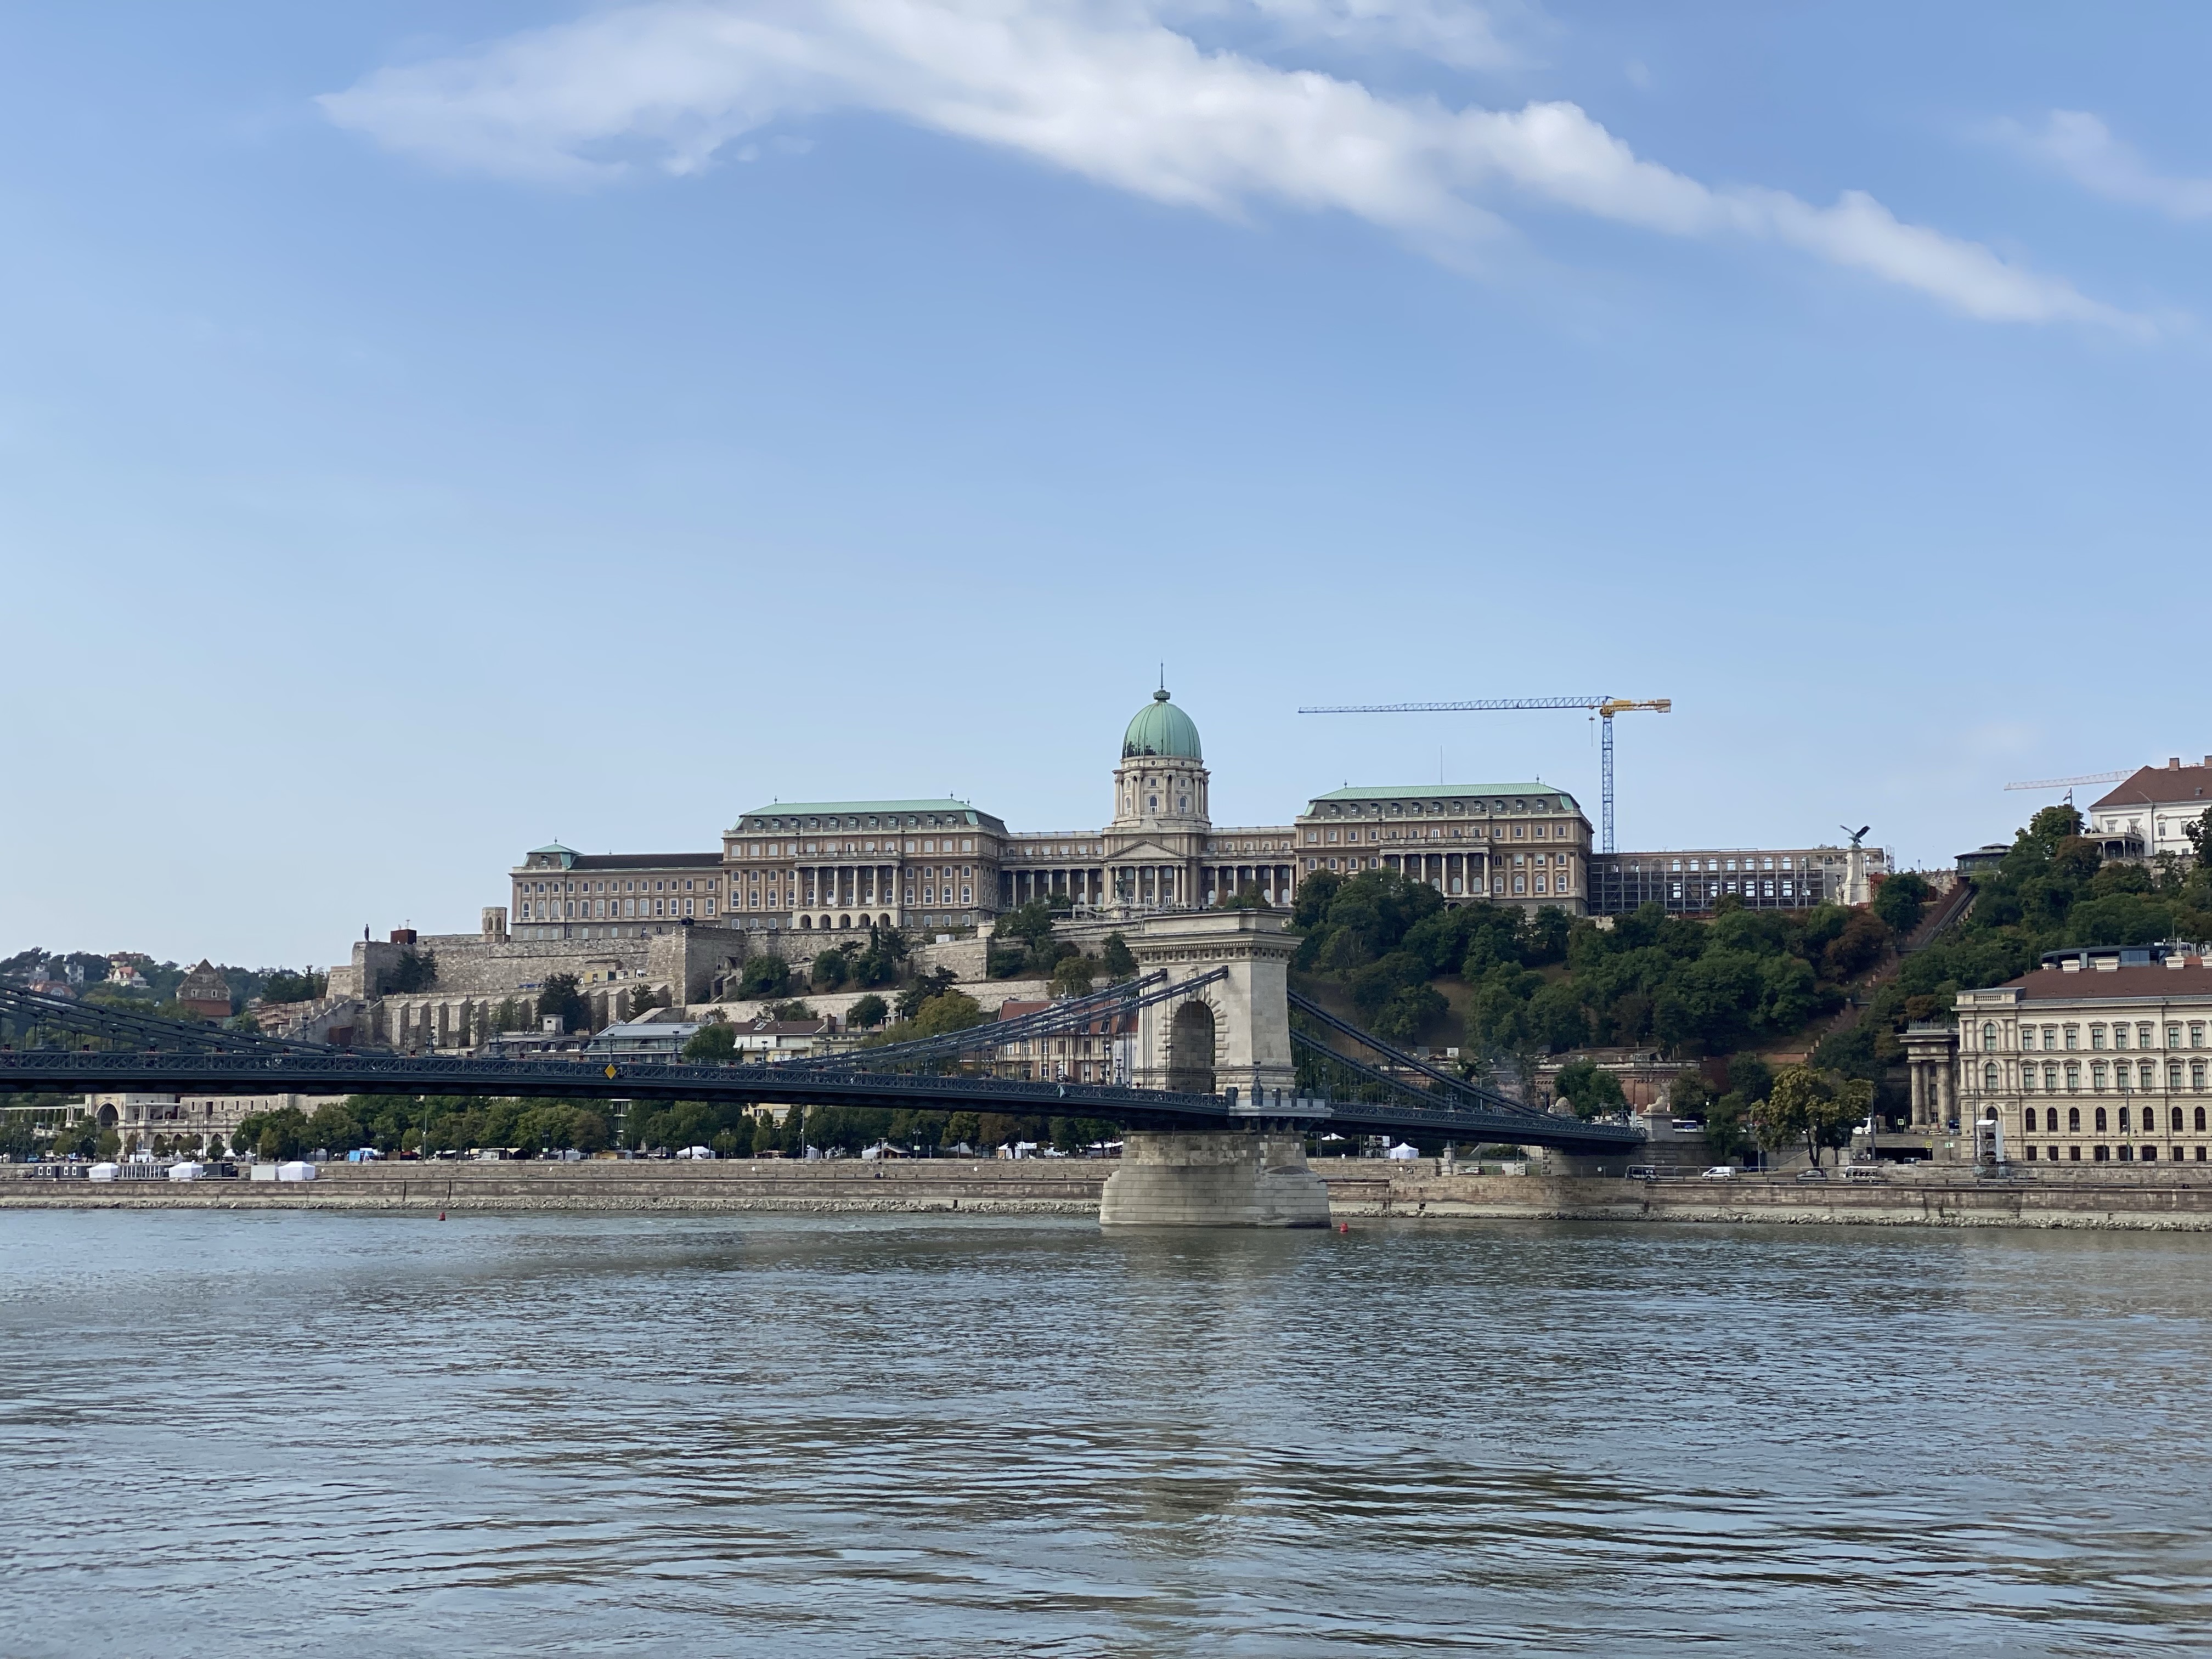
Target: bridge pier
[(1252, 1177)]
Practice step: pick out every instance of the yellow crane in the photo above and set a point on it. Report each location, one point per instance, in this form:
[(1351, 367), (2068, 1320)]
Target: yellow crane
[(1606, 708)]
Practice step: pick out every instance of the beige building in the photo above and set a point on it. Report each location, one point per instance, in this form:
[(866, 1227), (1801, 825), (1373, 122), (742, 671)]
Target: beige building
[(2099, 1056), (1518, 844), (139, 1118)]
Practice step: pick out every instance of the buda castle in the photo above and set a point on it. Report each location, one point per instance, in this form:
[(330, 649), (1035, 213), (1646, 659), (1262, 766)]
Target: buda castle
[(833, 866)]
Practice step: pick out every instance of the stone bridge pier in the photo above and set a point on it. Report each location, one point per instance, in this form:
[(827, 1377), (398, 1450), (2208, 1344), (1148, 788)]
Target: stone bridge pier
[(1234, 1034)]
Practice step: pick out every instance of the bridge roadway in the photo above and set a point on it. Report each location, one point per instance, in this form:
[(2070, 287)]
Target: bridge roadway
[(305, 1071)]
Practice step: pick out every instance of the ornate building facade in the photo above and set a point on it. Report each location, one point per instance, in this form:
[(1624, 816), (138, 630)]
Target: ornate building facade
[(814, 866)]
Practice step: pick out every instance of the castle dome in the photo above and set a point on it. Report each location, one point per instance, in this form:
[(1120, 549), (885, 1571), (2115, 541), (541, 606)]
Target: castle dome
[(1162, 729)]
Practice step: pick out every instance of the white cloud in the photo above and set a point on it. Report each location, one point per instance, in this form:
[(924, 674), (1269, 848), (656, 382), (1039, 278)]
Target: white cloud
[(2082, 147), (1109, 91)]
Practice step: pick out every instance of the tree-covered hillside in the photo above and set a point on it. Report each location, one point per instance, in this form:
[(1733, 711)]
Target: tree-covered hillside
[(1547, 982)]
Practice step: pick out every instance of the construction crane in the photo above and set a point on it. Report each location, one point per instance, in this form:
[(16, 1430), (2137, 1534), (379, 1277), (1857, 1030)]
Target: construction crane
[(2041, 784), (1606, 708)]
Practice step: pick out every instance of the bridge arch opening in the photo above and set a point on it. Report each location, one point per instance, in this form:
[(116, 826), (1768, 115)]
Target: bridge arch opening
[(106, 1116), (1190, 1049)]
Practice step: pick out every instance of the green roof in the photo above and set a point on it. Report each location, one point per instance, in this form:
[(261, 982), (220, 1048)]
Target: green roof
[(1161, 728), (554, 847), (840, 809), (1477, 792)]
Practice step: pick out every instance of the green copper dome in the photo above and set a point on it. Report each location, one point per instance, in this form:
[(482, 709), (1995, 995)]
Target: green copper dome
[(1162, 729)]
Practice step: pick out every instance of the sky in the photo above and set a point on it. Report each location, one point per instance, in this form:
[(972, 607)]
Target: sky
[(429, 430)]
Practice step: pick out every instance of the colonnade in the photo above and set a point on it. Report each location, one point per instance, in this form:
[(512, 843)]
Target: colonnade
[(1465, 873)]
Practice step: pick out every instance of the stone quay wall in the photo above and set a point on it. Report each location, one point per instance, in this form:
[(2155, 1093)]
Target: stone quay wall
[(1358, 1190)]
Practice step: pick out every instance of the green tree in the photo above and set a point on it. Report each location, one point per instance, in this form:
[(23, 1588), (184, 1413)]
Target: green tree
[(1728, 1128), (1687, 1095), (796, 1012), (946, 1013), (1814, 1109), (1899, 901), (1116, 960), (558, 995), (765, 975), (832, 967), (714, 1044), (1588, 1089), (334, 1128), (1246, 897), (1071, 976), (935, 983), (416, 970), (870, 1012), (283, 985)]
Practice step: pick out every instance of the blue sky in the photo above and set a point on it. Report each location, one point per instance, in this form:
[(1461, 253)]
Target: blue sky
[(428, 430)]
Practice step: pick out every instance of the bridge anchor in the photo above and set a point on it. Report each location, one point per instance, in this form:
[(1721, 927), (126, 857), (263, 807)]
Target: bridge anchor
[(1255, 1177)]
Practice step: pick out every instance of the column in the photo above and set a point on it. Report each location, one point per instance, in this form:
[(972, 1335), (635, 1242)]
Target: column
[(1919, 1075), (1946, 1099)]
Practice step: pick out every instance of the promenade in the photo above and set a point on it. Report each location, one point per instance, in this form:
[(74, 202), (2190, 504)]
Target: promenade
[(1358, 1190)]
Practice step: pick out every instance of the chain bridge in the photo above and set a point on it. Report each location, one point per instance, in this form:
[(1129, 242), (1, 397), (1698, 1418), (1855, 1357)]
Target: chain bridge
[(1229, 1072)]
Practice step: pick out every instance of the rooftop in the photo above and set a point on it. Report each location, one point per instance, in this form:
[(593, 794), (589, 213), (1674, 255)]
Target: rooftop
[(2162, 786), (1476, 792), (960, 809)]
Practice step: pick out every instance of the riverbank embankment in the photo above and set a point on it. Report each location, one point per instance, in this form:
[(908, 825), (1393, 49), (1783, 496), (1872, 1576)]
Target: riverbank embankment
[(1416, 1191)]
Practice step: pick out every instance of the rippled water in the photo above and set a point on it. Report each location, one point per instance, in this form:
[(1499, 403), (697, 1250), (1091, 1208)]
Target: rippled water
[(314, 1433)]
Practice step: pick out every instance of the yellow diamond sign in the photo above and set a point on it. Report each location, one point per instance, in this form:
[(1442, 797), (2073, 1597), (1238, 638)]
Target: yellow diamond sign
[(610, 1072)]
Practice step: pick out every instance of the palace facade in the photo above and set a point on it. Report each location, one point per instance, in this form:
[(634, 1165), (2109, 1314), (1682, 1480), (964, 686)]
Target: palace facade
[(939, 864)]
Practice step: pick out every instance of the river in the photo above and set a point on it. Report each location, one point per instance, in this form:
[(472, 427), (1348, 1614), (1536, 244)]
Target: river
[(314, 1433)]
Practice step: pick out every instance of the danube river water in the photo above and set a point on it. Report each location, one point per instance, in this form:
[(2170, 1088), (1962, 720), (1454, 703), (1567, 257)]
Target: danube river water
[(303, 1433)]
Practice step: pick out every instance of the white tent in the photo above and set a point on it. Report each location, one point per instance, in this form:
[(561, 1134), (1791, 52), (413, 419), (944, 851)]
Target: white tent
[(295, 1171), (187, 1171), (104, 1171), (1401, 1152)]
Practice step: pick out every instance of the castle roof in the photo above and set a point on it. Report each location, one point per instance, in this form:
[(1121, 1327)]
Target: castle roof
[(1160, 728)]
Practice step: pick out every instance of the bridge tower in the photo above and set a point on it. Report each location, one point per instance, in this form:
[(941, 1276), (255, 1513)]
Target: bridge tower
[(1232, 1034)]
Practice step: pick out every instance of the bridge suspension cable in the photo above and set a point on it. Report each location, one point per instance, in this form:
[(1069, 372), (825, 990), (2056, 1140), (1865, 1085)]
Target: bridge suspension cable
[(23, 1011)]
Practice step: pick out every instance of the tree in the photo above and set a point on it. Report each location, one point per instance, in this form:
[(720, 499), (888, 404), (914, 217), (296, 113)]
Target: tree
[(796, 1011), (870, 1012), (948, 1011), (283, 985), (557, 996), (714, 1044), (416, 970), (1590, 1091), (279, 1135), (1818, 1109), (1116, 960), (1072, 976), (935, 983), (765, 975), (1899, 901), (832, 967), (1246, 897), (334, 1128), (1688, 1094), (1728, 1128)]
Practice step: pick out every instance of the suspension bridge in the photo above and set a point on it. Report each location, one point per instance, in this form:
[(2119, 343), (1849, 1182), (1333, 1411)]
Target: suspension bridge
[(1228, 1072)]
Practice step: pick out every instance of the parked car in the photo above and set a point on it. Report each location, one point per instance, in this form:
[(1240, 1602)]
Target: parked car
[(1644, 1172), (1865, 1172), (1812, 1175), (1721, 1172)]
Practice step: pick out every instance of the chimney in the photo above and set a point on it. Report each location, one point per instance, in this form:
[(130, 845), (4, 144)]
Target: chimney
[(2174, 763)]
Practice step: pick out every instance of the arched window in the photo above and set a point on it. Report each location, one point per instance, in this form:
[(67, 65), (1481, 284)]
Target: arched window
[(2176, 1119), (2123, 1118), (2200, 1119), (2027, 1118), (1990, 1034), (2100, 1119), (2074, 1120), (1989, 1077)]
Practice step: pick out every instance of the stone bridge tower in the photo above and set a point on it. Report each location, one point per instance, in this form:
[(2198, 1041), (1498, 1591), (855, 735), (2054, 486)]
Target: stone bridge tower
[(1233, 1034)]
